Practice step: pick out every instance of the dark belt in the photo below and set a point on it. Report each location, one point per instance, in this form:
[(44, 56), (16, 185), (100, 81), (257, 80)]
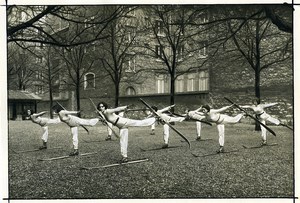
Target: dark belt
[(257, 115), (218, 121), (115, 123), (260, 114)]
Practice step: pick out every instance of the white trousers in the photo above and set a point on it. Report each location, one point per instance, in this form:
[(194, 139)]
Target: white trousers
[(123, 125), (76, 121), (126, 122), (74, 131), (170, 119), (198, 128), (229, 119), (43, 122), (124, 141), (263, 118), (153, 126), (263, 131), (109, 131), (221, 127), (166, 133), (45, 134), (221, 130)]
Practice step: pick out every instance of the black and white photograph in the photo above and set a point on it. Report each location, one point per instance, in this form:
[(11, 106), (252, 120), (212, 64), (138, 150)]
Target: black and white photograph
[(159, 101)]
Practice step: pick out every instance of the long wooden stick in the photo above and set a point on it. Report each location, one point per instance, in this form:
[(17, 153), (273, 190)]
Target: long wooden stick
[(286, 126), (174, 129), (66, 156), (116, 164), (105, 122)]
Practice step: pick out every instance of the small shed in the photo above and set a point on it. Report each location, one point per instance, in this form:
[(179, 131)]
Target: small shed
[(19, 101)]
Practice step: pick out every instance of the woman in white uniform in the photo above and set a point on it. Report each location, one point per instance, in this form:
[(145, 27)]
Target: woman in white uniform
[(195, 116), (215, 116), (73, 122), (43, 122), (262, 116), (167, 119), (123, 124)]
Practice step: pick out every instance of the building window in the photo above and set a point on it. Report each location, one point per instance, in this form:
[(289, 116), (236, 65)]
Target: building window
[(179, 84), (55, 90), (39, 75), (93, 46), (130, 34), (191, 82), (203, 49), (180, 51), (40, 45), (39, 59), (203, 17), (159, 51), (89, 23), (89, 81), (130, 65), (39, 89), (160, 84), (130, 91), (159, 27), (203, 80), (85, 23)]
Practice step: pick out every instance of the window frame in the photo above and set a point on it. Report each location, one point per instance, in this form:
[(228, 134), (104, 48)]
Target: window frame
[(88, 81)]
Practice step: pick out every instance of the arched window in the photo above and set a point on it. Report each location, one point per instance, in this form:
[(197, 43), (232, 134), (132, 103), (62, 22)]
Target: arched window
[(179, 84), (203, 80), (191, 82), (160, 84), (89, 81), (130, 91)]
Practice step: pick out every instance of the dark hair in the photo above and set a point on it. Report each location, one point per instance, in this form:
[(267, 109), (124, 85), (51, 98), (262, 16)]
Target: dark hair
[(57, 108), (154, 108), (103, 103), (256, 100), (207, 107), (31, 112)]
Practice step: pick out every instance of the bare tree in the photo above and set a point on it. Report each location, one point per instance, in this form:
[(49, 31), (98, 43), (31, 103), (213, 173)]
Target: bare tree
[(49, 72), (75, 28), (178, 40), (261, 45), (254, 42), (78, 62), (42, 24), (21, 68), (118, 54)]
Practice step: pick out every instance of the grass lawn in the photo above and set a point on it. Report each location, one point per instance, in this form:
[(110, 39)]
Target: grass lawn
[(171, 173)]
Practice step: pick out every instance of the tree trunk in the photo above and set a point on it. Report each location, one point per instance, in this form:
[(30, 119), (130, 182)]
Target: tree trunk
[(257, 69), (51, 100), (257, 95), (78, 98), (172, 90), (50, 84), (117, 92)]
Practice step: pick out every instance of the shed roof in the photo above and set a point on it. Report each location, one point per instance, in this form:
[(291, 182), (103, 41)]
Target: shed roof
[(22, 95)]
